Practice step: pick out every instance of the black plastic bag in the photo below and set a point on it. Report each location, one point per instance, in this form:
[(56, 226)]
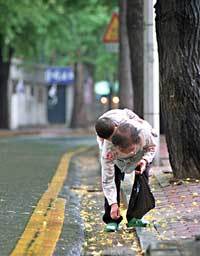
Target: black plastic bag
[(141, 200)]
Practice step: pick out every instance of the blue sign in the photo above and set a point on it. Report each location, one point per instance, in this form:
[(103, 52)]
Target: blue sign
[(59, 75)]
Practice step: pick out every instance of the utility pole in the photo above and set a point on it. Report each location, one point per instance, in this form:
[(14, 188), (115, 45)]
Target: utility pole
[(151, 72)]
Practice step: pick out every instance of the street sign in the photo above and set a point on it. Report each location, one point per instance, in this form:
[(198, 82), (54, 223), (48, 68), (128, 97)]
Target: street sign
[(112, 32), (59, 75)]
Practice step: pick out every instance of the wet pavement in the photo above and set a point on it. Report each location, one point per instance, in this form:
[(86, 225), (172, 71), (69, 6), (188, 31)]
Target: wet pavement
[(25, 170), (27, 165)]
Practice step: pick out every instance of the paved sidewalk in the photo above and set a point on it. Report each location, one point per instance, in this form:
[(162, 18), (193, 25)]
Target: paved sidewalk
[(177, 203), (177, 213)]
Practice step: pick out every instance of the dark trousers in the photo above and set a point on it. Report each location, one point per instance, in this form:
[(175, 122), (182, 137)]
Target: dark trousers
[(119, 176)]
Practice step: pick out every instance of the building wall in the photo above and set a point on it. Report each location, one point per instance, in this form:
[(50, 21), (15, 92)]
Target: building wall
[(27, 95)]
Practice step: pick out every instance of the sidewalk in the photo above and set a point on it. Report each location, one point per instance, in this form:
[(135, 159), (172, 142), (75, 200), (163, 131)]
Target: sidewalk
[(175, 222), (177, 212), (178, 203)]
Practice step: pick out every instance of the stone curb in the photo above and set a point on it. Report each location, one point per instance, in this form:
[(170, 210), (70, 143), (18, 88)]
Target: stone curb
[(5, 134), (146, 236)]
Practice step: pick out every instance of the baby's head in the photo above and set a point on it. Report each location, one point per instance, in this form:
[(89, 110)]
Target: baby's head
[(104, 127)]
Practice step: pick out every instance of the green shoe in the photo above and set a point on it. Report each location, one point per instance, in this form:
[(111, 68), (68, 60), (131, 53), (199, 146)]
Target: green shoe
[(111, 227), (137, 223)]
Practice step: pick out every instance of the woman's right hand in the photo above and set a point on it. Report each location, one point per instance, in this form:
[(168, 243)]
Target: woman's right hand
[(115, 212)]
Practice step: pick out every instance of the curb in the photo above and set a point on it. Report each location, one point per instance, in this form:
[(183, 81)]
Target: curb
[(6, 134), (146, 236)]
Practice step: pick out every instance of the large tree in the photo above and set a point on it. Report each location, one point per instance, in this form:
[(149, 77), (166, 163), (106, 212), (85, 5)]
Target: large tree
[(136, 41), (178, 36)]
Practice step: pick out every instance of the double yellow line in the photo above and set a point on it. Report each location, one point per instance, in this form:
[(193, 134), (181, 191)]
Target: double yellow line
[(44, 227)]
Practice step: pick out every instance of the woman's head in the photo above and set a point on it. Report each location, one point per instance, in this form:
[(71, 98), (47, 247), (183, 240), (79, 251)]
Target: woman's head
[(126, 137)]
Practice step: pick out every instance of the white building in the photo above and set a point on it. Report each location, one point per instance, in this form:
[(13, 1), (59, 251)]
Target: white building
[(28, 96)]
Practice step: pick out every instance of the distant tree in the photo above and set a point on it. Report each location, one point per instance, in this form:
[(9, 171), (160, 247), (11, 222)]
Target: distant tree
[(135, 35), (19, 24), (177, 28), (86, 49), (27, 31), (52, 32)]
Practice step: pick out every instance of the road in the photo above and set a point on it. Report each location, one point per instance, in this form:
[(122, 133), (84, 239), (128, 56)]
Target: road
[(27, 166)]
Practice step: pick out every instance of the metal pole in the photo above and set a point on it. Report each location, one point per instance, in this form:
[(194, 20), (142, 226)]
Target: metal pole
[(151, 73)]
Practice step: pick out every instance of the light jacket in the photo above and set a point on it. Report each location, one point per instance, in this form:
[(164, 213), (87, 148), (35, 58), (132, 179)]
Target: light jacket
[(110, 156)]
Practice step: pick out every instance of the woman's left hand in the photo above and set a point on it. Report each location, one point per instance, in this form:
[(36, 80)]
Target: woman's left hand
[(141, 166)]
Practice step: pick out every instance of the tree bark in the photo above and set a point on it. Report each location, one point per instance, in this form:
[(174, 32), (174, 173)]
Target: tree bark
[(89, 94), (79, 110), (125, 81), (4, 74), (135, 35), (178, 30)]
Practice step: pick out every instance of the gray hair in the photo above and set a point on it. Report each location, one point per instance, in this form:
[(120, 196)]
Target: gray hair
[(126, 135)]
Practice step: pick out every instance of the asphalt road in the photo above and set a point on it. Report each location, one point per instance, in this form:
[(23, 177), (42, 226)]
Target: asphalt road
[(27, 165)]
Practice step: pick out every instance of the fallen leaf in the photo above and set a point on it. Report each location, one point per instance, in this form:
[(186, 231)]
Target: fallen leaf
[(194, 204)]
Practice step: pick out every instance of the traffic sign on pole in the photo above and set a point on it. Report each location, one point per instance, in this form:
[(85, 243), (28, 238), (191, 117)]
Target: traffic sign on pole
[(112, 32)]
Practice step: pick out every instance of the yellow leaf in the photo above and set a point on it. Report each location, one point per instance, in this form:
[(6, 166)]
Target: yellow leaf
[(96, 253), (92, 247), (91, 239), (194, 194), (109, 241), (194, 203), (164, 225)]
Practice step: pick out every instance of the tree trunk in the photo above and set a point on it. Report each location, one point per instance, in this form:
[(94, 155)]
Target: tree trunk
[(125, 81), (178, 29), (89, 95), (4, 74), (135, 35), (79, 111)]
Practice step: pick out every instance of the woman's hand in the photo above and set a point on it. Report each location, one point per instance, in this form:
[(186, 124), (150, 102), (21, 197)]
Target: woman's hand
[(141, 166), (115, 212)]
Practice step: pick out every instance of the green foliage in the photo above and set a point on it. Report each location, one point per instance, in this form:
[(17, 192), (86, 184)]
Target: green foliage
[(58, 32)]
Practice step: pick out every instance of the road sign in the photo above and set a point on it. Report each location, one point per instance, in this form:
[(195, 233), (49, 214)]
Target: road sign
[(112, 33), (59, 75)]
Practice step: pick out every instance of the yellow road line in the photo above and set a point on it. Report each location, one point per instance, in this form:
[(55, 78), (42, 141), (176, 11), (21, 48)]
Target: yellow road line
[(44, 227)]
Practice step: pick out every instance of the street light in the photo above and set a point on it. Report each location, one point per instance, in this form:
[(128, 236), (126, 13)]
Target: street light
[(115, 99), (104, 100)]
